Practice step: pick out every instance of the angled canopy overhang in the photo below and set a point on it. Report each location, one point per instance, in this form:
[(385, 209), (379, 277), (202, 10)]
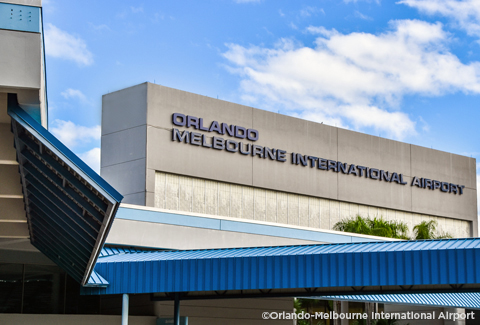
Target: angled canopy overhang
[(449, 265), (69, 207)]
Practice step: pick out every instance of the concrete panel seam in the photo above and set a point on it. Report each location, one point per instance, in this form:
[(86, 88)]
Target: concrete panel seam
[(133, 127), (123, 162)]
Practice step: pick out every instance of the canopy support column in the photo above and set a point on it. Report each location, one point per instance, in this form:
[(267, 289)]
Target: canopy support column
[(125, 309), (176, 310)]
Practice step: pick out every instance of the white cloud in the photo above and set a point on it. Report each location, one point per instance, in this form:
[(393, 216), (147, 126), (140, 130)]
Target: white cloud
[(465, 13), (136, 10), (309, 11), (74, 93), (73, 135), (92, 159), (60, 44), (358, 14), (356, 79)]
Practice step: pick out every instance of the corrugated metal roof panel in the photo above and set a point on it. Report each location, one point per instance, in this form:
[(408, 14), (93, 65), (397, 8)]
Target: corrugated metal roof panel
[(470, 300), (69, 207), (430, 264)]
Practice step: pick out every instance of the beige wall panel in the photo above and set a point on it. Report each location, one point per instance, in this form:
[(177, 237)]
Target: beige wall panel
[(227, 311), (354, 209), (334, 213), (295, 135), (7, 150), (373, 192), (363, 210), (198, 194), (248, 203), (185, 193), (223, 199), (10, 180), (150, 180), (164, 101), (441, 224), (271, 206), (292, 209), (373, 212), (409, 222), (193, 194), (303, 208), (125, 145), (236, 201), (391, 215), (14, 229), (186, 159), (12, 210), (325, 214), (450, 227), (124, 109), (16, 319), (294, 178), (127, 178), (260, 197), (443, 166), (344, 210), (211, 197), (382, 213), (4, 117), (282, 208), (314, 212), (374, 152), (171, 198), (150, 199), (21, 60), (446, 204)]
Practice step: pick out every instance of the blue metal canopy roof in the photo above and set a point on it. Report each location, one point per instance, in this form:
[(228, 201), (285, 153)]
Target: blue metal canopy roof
[(69, 207), (354, 268)]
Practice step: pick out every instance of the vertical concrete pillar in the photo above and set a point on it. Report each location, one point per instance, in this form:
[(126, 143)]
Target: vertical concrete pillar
[(176, 310), (344, 310), (456, 322), (125, 309)]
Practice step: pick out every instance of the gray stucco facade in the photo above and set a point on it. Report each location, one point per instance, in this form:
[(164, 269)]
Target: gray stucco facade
[(137, 145)]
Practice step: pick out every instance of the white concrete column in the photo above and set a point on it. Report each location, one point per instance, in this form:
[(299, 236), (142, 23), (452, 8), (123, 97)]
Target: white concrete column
[(344, 310), (125, 309)]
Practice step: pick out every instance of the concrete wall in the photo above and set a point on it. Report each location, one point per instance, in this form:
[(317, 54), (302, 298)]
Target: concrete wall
[(190, 194), (227, 311), (13, 223), (124, 139), (21, 60), (157, 104), (27, 319), (34, 3)]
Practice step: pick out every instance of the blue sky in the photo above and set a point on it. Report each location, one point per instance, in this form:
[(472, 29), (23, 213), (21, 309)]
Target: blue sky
[(405, 70)]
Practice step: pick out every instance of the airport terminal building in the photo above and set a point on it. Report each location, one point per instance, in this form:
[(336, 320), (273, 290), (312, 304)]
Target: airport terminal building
[(214, 211)]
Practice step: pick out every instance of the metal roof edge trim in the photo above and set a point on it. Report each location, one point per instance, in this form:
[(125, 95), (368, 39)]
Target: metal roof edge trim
[(99, 244)]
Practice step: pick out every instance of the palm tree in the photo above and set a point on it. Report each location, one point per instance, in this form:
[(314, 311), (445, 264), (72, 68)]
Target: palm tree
[(428, 230), (374, 227)]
